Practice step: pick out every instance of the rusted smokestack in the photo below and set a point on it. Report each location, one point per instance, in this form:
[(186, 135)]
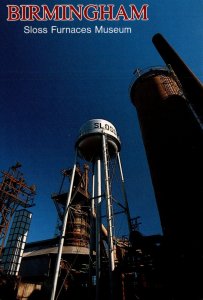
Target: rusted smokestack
[(192, 87)]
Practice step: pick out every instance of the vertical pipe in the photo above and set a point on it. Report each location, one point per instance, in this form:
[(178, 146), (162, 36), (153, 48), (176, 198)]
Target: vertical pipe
[(109, 214), (62, 237), (93, 191), (98, 229), (124, 192), (92, 213)]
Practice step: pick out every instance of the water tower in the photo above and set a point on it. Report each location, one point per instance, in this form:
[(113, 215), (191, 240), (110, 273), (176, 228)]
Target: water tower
[(99, 144)]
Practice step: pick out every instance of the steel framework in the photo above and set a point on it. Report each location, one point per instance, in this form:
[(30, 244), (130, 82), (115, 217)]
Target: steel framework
[(14, 193)]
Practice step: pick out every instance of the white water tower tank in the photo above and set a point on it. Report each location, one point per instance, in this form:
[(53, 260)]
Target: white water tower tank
[(89, 143)]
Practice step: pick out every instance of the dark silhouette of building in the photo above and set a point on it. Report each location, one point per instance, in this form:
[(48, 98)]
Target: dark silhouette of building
[(169, 108)]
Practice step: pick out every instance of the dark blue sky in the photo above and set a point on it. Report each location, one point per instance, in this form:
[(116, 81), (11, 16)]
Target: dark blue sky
[(51, 84)]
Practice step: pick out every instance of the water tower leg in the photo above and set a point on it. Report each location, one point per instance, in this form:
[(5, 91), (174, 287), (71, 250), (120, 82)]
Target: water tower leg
[(93, 192), (92, 230), (124, 193), (109, 214), (62, 236), (98, 229)]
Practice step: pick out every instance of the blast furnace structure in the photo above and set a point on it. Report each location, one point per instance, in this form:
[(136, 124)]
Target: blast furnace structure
[(169, 107)]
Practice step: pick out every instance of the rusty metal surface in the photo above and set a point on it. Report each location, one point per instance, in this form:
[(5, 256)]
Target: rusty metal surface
[(191, 84), (14, 192), (78, 224)]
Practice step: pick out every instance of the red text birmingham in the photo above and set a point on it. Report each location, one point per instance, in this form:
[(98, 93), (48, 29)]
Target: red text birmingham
[(90, 12)]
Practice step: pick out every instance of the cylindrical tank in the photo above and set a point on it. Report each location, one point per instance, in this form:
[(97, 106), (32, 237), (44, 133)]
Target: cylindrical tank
[(89, 143), (160, 82), (174, 145), (78, 227)]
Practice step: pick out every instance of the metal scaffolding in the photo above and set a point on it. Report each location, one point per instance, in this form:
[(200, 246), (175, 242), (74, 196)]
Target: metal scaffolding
[(14, 193)]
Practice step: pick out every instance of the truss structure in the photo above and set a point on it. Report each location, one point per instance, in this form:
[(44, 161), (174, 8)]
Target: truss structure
[(14, 193)]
